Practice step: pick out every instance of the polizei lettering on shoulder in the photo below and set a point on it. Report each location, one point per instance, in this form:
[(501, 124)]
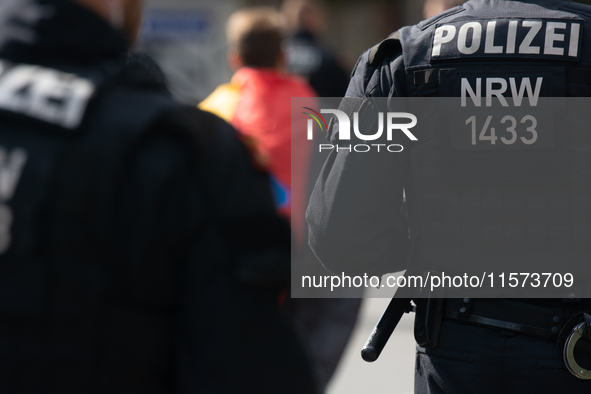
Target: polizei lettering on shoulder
[(43, 93), (543, 39)]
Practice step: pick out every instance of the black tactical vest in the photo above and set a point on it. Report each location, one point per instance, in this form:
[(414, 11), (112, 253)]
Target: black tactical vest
[(498, 206), (68, 319)]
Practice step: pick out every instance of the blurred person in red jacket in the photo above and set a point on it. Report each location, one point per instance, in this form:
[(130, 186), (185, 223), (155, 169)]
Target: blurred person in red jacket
[(257, 102)]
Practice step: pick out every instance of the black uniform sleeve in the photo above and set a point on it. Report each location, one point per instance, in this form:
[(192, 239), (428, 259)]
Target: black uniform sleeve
[(196, 174), (354, 214), (217, 228)]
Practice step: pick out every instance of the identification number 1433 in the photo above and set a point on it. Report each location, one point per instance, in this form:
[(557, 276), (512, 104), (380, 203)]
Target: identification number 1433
[(528, 136)]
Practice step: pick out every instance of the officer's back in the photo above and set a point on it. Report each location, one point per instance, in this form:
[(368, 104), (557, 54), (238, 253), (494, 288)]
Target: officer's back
[(476, 200), (139, 249), (482, 51), (507, 53)]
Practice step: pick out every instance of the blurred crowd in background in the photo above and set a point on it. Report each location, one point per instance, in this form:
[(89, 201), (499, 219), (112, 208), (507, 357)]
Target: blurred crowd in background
[(244, 61), (187, 37)]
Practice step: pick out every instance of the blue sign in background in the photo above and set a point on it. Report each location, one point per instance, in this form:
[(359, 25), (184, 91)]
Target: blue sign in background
[(176, 25)]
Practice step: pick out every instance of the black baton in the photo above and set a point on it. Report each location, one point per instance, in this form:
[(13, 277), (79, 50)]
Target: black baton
[(384, 328)]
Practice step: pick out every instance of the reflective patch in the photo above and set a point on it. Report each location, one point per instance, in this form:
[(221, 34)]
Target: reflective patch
[(486, 85), (303, 59), (11, 167), (45, 94), (508, 38), (18, 18)]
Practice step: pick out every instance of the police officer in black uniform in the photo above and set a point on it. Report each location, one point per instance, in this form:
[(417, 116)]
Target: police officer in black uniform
[(305, 54), (140, 251), (483, 345)]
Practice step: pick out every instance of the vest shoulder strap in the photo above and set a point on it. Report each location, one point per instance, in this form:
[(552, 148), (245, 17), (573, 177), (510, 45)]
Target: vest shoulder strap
[(376, 54)]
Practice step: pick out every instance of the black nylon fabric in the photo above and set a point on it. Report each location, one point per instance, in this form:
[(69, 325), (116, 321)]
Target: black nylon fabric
[(486, 209), (461, 211), (465, 205), (79, 304)]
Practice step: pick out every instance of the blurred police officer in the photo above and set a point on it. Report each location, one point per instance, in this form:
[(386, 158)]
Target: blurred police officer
[(484, 346), (305, 55), (140, 251), (329, 321)]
